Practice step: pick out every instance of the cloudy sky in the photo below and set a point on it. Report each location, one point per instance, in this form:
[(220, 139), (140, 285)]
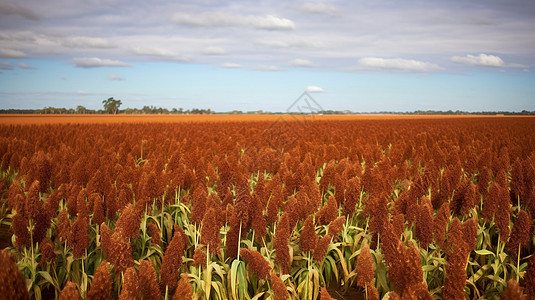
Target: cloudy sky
[(364, 56)]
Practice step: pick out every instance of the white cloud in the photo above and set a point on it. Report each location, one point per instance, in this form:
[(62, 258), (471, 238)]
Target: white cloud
[(153, 52), (115, 77), (314, 89), (25, 66), (85, 42), (398, 64), (319, 8), (213, 50), (299, 62), (231, 66), (95, 62), (482, 59), (268, 68), (10, 53), (222, 19), (81, 92), (15, 9), (292, 42), (6, 66)]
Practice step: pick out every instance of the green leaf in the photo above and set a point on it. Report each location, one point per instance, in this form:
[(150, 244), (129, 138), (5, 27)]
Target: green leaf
[(484, 252)]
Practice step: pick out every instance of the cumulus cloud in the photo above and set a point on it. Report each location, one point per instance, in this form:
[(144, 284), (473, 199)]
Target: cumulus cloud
[(95, 62), (16, 9), (231, 66), (115, 77), (85, 42), (314, 89), (319, 8), (268, 68), (11, 53), (299, 62), (213, 50), (398, 64), (6, 66), (291, 43), (222, 19), (25, 66), (482, 59), (153, 52)]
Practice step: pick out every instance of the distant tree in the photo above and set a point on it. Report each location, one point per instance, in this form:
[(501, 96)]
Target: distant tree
[(81, 109), (111, 105)]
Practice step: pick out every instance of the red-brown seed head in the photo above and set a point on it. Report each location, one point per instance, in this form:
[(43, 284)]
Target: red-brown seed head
[(365, 269), (256, 262), (148, 281)]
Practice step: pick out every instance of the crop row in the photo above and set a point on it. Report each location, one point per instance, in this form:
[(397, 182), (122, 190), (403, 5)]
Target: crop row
[(419, 208)]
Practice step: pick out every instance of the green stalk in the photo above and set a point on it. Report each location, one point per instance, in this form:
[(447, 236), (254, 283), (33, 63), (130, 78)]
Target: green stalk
[(239, 242)]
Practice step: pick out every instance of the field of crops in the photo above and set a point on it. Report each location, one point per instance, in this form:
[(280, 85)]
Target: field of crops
[(267, 207)]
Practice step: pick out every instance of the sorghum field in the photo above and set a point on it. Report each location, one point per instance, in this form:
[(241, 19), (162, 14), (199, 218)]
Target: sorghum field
[(267, 207)]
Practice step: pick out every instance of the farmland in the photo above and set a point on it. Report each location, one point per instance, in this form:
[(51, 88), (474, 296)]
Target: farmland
[(268, 207)]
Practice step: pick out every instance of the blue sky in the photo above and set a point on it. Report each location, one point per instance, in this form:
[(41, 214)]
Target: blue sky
[(363, 56)]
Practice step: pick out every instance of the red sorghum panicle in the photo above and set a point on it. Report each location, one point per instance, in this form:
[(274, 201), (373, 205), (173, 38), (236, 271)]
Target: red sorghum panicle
[(20, 229), (440, 224), (47, 252), (81, 203), (258, 221), (256, 262), (13, 284), (308, 235), (154, 233), (130, 287), (424, 225), (172, 259), (210, 231), (79, 238), (321, 248), (328, 212), (372, 292), (148, 281), (456, 251), (105, 238), (352, 196), (70, 292), (243, 206), (129, 222), (470, 228), (465, 198), (328, 175), (279, 288), (520, 234), (184, 290), (198, 204), (98, 209), (502, 218), (120, 252), (398, 224), (282, 251), (64, 226), (102, 284), (233, 233), (528, 281), (337, 226), (491, 202), (483, 179), (15, 198), (513, 291), (364, 267), (324, 295), (199, 257), (33, 203)]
